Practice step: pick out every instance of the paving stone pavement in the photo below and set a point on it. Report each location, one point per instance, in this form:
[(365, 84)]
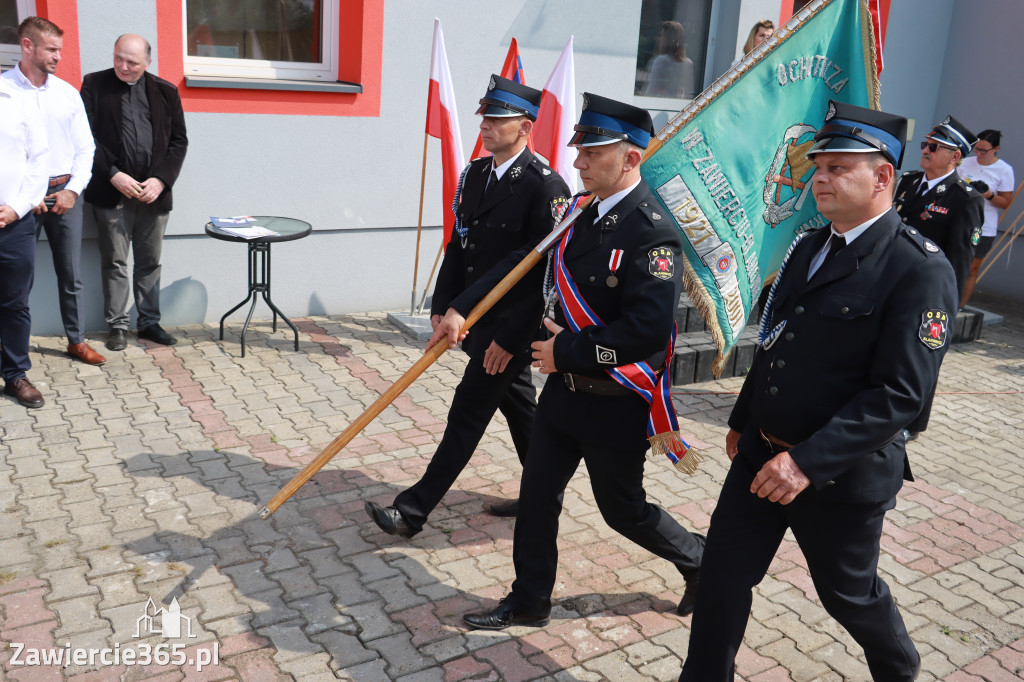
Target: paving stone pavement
[(140, 480)]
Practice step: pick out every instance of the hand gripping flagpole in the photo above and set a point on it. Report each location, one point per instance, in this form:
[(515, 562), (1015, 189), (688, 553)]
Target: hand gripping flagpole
[(413, 373)]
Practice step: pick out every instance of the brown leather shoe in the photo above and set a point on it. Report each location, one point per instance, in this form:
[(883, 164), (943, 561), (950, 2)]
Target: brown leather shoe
[(24, 392), (85, 353)]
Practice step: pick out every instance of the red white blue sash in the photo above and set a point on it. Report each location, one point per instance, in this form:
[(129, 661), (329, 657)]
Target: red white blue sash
[(662, 425)]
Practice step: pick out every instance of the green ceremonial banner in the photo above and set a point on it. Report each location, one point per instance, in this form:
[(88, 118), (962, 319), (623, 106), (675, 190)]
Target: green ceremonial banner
[(731, 170)]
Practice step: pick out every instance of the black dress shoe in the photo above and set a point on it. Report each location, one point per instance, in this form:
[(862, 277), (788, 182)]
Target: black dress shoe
[(508, 509), (390, 520), (155, 334), (504, 615), (117, 339), (686, 604)]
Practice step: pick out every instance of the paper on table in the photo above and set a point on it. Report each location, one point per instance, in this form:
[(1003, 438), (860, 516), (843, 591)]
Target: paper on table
[(253, 232), (232, 221)]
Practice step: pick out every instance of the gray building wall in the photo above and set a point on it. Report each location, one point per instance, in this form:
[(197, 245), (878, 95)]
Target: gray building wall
[(357, 179)]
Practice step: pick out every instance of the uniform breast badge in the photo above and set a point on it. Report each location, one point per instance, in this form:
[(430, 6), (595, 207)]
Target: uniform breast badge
[(613, 265)]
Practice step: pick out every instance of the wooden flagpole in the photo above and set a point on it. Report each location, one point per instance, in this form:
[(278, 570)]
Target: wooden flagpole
[(431, 355), (419, 227)]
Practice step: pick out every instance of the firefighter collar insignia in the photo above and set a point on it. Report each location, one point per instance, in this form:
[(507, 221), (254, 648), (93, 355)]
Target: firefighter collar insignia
[(941, 188), (515, 172), (930, 246), (934, 329), (661, 263), (545, 171), (612, 218)]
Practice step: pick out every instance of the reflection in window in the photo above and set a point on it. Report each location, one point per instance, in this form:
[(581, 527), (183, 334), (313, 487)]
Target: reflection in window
[(272, 30), (671, 50), (9, 22)]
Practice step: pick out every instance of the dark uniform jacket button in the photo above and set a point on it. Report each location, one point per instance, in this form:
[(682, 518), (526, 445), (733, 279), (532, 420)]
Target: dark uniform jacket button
[(790, 336), (799, 310), (844, 310), (592, 278), (780, 363), (476, 222), (773, 390), (469, 269), (472, 245)]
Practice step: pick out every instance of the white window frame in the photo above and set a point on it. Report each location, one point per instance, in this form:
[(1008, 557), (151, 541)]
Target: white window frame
[(327, 70), (11, 54)]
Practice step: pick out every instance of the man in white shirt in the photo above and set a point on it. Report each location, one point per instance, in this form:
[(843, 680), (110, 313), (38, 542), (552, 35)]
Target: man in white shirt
[(70, 167), (22, 186)]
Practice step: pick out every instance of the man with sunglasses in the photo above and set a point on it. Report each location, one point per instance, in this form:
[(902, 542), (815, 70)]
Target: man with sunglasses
[(938, 202), (944, 209)]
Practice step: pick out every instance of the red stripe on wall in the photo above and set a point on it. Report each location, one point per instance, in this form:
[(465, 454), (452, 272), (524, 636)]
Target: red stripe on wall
[(64, 13)]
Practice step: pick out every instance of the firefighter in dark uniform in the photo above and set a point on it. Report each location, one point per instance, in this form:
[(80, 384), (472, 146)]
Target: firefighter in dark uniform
[(940, 204), (945, 209), (854, 331), (622, 261), (506, 201)]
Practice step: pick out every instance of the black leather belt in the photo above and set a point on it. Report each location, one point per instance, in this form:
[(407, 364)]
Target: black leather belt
[(775, 445), (59, 180), (578, 382)]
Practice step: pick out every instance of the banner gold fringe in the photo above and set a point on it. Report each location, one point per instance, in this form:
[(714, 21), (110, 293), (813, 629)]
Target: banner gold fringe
[(672, 441)]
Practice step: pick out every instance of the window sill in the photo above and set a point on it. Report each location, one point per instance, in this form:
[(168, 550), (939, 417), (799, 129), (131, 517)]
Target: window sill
[(271, 84)]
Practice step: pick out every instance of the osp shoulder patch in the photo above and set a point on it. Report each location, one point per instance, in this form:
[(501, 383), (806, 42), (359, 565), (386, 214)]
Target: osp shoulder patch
[(661, 263), (558, 207), (934, 329), (976, 235)]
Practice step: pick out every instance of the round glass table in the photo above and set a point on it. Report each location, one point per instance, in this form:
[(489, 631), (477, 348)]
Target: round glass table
[(284, 230)]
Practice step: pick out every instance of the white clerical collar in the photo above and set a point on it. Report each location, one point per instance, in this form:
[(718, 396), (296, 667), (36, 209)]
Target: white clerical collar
[(500, 170), (608, 204)]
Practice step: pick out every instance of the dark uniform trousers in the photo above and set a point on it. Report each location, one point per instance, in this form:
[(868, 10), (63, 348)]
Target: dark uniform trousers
[(950, 215), (477, 397), (571, 427), (851, 367), (17, 265), (841, 545)]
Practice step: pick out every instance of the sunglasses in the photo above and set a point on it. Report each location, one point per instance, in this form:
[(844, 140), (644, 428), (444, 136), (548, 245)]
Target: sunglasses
[(933, 146)]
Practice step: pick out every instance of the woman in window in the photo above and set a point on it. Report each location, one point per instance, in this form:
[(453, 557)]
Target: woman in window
[(671, 72)]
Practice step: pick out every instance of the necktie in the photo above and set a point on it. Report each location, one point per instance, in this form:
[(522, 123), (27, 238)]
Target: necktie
[(922, 188), (835, 243), (492, 180)]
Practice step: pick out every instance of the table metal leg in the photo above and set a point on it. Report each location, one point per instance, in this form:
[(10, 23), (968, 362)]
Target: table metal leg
[(259, 282)]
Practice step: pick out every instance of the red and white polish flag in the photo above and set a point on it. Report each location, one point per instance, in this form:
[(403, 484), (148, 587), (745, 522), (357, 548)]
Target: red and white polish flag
[(556, 118), (443, 123)]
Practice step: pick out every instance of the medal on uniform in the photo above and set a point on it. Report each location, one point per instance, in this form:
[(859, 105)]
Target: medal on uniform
[(613, 264)]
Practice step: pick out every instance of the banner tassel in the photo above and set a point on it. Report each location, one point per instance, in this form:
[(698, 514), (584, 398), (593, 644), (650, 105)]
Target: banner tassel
[(672, 445)]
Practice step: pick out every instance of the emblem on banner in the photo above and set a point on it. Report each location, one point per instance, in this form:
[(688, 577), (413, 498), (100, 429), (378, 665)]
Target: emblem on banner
[(786, 186)]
